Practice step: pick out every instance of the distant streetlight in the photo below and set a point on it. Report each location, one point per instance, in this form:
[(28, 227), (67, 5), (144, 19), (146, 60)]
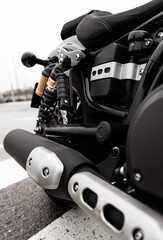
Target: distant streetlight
[(15, 72)]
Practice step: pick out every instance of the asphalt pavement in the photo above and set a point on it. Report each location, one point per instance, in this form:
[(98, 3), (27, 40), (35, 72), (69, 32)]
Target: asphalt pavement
[(25, 210)]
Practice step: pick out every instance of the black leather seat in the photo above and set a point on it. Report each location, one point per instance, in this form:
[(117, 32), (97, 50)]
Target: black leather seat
[(98, 28)]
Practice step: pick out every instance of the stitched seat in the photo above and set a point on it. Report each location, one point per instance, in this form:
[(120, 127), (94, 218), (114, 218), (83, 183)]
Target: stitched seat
[(98, 28)]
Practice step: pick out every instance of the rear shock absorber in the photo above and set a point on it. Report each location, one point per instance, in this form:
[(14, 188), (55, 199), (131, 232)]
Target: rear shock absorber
[(56, 90), (48, 102), (47, 90), (44, 78)]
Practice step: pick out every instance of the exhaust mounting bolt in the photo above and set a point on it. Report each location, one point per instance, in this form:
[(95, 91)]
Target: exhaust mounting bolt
[(138, 235), (30, 162), (76, 187), (138, 177), (45, 172)]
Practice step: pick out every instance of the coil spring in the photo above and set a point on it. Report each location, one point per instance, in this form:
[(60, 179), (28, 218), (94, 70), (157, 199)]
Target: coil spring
[(50, 99), (47, 105)]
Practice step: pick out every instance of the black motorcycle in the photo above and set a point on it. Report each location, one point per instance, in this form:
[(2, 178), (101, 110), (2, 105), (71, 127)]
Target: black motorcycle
[(98, 140)]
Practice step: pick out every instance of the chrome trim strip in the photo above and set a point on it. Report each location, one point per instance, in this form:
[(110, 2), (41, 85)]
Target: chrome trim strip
[(139, 220), (44, 167), (117, 70)]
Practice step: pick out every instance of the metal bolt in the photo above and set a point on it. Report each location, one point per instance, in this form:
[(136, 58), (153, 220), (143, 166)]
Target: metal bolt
[(65, 101), (147, 43), (122, 171), (141, 71), (45, 172), (77, 57), (115, 152), (61, 60), (30, 162), (160, 34), (76, 187), (138, 177), (138, 235)]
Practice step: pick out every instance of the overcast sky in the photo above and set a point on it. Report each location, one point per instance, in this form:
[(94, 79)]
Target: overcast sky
[(35, 25)]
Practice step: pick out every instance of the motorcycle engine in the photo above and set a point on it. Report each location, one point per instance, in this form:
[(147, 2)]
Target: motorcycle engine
[(145, 146)]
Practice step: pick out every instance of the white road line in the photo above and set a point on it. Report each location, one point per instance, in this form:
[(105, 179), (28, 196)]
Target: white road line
[(73, 225), (11, 172), (1, 146), (26, 119)]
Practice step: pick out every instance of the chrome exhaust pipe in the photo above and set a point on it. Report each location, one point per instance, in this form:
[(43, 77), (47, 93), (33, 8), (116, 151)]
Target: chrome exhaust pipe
[(68, 175), (120, 214)]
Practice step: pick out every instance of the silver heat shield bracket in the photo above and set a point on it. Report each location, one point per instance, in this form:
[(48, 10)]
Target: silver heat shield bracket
[(139, 221), (117, 70), (44, 167)]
